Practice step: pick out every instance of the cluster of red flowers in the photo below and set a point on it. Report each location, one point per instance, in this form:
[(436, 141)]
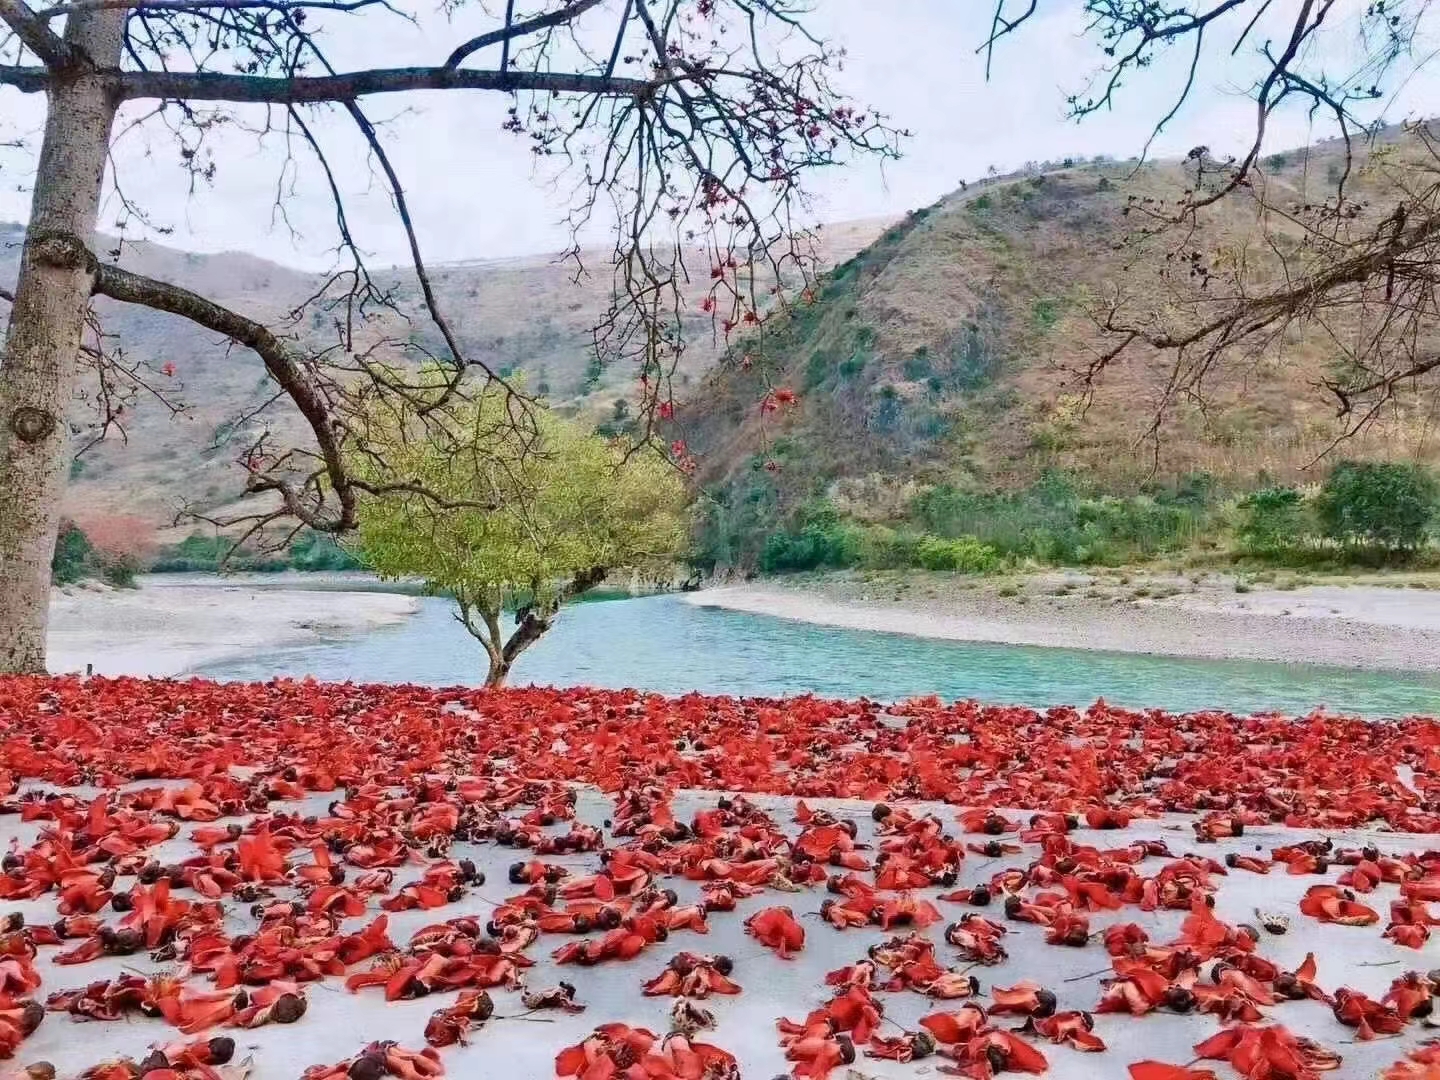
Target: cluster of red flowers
[(416, 772)]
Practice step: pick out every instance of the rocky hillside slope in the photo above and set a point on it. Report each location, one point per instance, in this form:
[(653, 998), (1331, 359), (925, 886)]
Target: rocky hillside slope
[(945, 352)]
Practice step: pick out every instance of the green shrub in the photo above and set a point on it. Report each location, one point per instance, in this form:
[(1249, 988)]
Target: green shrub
[(965, 555), (883, 548), (1272, 520), (1197, 490), (973, 363), (1054, 522), (889, 410), (1045, 313), (195, 552), (119, 573), (816, 368), (917, 366), (933, 553), (1370, 511), (74, 556), (594, 371), (319, 551), (823, 541), (199, 553), (812, 548), (1386, 505)]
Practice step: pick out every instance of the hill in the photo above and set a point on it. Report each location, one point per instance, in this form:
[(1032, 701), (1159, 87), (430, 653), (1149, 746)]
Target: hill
[(934, 368), (517, 315)]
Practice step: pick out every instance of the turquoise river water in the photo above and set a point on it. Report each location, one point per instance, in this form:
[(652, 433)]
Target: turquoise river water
[(666, 644)]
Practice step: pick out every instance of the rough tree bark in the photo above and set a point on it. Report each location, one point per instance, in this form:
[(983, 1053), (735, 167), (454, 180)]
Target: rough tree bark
[(40, 362)]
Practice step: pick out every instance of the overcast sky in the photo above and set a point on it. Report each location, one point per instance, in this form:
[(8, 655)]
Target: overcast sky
[(474, 196)]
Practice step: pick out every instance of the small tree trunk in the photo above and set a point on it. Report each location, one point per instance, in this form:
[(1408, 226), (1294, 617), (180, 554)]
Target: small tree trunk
[(40, 362), (529, 628), (498, 673)]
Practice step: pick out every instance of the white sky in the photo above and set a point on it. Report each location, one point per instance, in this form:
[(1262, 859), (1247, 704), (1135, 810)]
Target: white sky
[(474, 196)]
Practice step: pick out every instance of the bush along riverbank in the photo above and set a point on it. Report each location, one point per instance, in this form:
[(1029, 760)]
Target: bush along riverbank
[(309, 550), (102, 550), (1362, 514)]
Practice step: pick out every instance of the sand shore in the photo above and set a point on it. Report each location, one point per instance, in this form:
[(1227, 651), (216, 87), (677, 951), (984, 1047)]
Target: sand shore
[(171, 625), (1355, 625)]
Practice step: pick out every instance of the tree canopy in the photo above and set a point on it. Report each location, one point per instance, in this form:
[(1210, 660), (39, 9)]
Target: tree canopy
[(501, 520), (1383, 504)]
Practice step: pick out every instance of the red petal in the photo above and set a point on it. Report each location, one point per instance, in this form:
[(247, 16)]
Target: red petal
[(1158, 1070)]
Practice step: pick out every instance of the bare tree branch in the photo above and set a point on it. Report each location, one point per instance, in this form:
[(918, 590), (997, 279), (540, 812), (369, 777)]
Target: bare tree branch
[(75, 6), (26, 79), (700, 151), (417, 260), (281, 361), (347, 86), (36, 36), (1000, 25), (511, 31)]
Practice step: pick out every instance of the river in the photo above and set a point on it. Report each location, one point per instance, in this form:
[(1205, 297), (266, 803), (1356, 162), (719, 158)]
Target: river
[(665, 644)]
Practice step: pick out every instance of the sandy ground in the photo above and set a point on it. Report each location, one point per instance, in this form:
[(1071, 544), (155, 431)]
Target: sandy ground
[(169, 626), (1353, 625)]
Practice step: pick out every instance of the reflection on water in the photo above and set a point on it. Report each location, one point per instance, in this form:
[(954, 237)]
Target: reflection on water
[(663, 643)]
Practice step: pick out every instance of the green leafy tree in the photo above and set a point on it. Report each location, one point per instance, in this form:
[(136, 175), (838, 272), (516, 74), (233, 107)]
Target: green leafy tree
[(1272, 520), (531, 515), (1382, 504)]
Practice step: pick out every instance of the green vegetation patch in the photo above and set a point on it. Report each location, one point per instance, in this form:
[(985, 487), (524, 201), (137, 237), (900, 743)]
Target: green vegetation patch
[(199, 553)]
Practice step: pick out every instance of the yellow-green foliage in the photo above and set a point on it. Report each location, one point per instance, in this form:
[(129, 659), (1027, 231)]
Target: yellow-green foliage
[(542, 502)]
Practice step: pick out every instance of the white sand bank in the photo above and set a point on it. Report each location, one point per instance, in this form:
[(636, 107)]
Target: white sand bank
[(166, 627)]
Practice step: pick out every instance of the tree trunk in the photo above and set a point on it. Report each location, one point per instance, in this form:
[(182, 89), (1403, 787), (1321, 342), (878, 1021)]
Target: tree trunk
[(530, 626), (498, 673), (40, 362)]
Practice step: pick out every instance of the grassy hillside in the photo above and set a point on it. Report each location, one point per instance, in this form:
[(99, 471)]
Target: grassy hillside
[(517, 315), (933, 385)]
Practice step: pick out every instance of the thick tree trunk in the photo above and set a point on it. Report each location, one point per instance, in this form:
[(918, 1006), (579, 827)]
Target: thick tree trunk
[(39, 365)]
